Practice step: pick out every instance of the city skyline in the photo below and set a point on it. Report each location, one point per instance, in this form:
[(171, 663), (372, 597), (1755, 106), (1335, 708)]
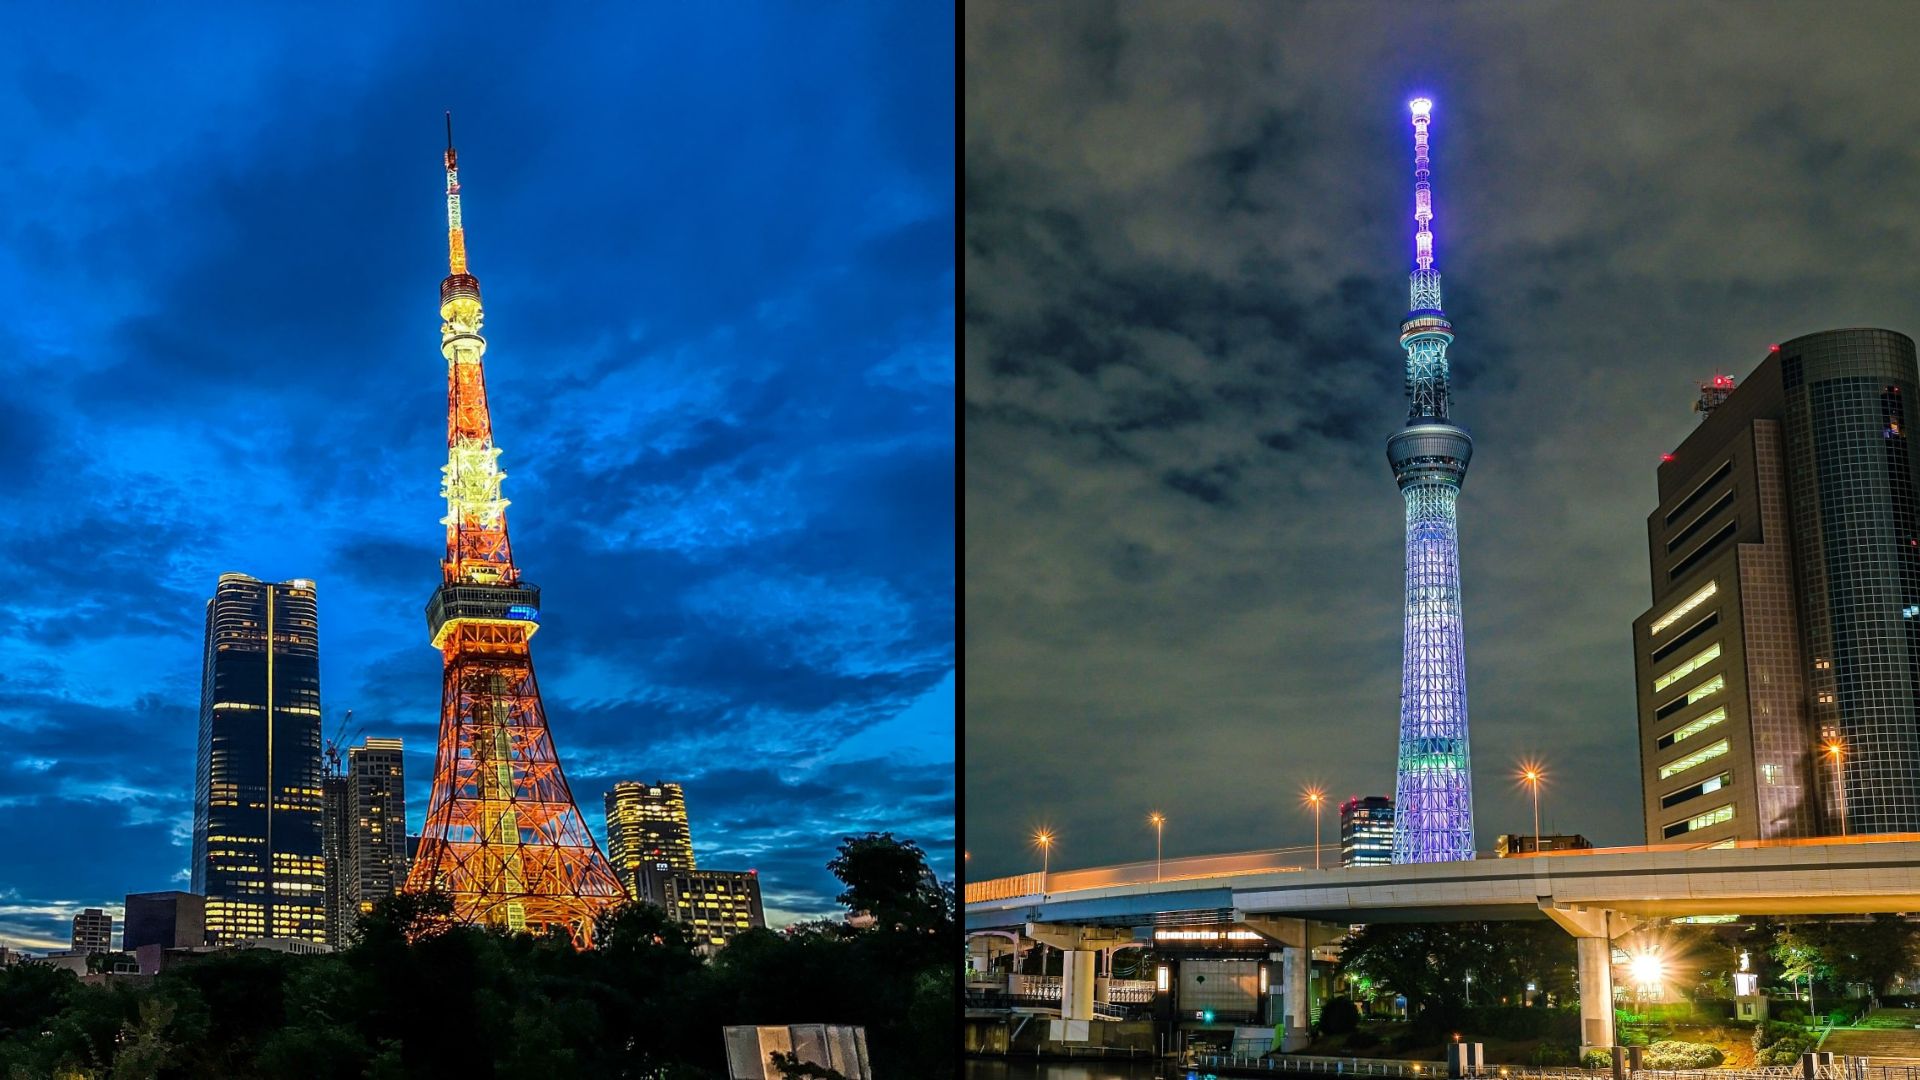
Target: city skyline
[(734, 442), (1178, 547)]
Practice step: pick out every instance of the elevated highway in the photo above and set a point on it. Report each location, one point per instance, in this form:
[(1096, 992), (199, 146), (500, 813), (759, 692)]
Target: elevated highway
[(1596, 895)]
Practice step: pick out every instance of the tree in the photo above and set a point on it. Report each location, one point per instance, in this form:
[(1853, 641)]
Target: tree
[(888, 878)]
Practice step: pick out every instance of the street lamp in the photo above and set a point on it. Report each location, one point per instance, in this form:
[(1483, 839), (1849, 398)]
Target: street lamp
[(1469, 991), (1531, 775), (1836, 752), (1158, 820), (1315, 797), (1045, 839)]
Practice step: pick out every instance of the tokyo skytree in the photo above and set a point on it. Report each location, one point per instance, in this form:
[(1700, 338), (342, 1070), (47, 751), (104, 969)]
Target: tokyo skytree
[(1433, 792)]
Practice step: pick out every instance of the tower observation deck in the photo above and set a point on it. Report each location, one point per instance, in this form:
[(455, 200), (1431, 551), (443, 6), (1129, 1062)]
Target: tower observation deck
[(1433, 790)]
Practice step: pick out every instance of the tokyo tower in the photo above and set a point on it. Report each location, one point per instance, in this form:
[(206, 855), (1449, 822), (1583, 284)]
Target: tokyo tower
[(502, 835), (1433, 792)]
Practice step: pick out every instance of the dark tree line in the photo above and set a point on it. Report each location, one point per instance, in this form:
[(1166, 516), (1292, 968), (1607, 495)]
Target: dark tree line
[(418, 995)]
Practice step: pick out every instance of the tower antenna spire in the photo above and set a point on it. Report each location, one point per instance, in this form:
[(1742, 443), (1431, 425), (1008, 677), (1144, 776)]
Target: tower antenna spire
[(456, 236)]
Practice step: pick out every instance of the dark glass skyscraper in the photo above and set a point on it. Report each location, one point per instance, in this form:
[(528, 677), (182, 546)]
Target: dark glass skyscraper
[(1779, 665), (257, 798)]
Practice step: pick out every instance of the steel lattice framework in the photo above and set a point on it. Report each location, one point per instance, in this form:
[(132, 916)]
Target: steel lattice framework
[(1433, 792), (502, 834)]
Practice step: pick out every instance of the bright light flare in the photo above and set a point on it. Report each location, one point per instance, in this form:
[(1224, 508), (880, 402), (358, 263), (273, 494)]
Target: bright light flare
[(1313, 796), (1421, 107), (1834, 749), (1647, 968), (1531, 773), (1044, 838), (1156, 818)]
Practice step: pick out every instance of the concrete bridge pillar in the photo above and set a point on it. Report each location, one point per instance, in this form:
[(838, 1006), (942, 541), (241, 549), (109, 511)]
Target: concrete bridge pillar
[(1296, 1009), (1594, 930), (1076, 984), (1296, 938), (1078, 946)]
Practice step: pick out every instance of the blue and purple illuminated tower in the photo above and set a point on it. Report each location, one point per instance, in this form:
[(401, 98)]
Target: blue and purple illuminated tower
[(1433, 794)]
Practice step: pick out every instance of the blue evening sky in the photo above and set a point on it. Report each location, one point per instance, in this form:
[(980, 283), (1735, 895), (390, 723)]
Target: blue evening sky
[(716, 248)]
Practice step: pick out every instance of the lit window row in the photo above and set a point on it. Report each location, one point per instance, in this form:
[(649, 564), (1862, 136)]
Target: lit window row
[(1676, 614), (1700, 756), (1701, 821), (1698, 660), (1688, 731)]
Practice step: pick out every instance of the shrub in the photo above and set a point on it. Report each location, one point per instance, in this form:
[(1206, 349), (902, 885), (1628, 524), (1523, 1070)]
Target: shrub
[(1339, 1016), (1632, 1036), (1673, 1054), (1791, 1015), (1769, 1032), (1785, 1052), (1362, 1039), (1555, 1054), (1597, 1059)]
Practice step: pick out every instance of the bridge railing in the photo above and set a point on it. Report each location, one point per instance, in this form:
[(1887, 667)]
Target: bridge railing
[(1326, 1066)]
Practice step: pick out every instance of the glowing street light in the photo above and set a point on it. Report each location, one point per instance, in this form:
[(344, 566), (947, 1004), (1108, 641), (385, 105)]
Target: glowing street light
[(1157, 820), (1836, 752), (1314, 797), (1531, 775), (1456, 1038), (1045, 839)]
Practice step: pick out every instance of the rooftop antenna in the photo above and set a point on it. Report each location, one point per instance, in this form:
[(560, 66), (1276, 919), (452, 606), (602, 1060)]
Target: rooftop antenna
[(1713, 394)]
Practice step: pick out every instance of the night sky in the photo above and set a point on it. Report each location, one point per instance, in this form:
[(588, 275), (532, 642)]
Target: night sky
[(717, 256), (1188, 231)]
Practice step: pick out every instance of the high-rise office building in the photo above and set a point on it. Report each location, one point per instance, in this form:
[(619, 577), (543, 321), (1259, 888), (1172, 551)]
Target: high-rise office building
[(1366, 831), (647, 836), (379, 839), (171, 920), (92, 931), (714, 904), (338, 825), (1779, 664), (257, 797)]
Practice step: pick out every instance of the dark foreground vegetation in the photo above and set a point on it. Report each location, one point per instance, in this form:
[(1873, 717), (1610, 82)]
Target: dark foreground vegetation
[(419, 996)]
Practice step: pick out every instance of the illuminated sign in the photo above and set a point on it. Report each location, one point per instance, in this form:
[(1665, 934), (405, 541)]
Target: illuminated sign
[(1205, 935), (524, 611)]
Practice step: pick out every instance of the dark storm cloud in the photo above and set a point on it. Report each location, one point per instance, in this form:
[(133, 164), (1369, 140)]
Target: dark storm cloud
[(719, 277), (1187, 235)]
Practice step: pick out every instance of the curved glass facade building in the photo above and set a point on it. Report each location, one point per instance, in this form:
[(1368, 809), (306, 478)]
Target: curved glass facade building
[(1779, 665), (1433, 790)]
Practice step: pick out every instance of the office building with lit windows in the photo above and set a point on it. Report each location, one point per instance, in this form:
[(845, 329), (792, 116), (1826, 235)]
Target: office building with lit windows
[(257, 790), (336, 849), (647, 836), (93, 931), (1778, 666), (1366, 831), (379, 834), (714, 904)]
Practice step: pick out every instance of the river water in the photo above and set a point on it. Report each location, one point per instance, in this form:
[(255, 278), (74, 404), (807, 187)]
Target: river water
[(1018, 1069)]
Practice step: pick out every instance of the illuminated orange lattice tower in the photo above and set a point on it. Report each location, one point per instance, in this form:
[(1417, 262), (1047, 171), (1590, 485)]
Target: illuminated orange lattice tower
[(502, 834)]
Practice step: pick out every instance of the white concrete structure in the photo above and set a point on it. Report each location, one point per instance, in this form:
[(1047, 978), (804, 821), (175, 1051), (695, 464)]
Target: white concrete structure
[(1597, 896)]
